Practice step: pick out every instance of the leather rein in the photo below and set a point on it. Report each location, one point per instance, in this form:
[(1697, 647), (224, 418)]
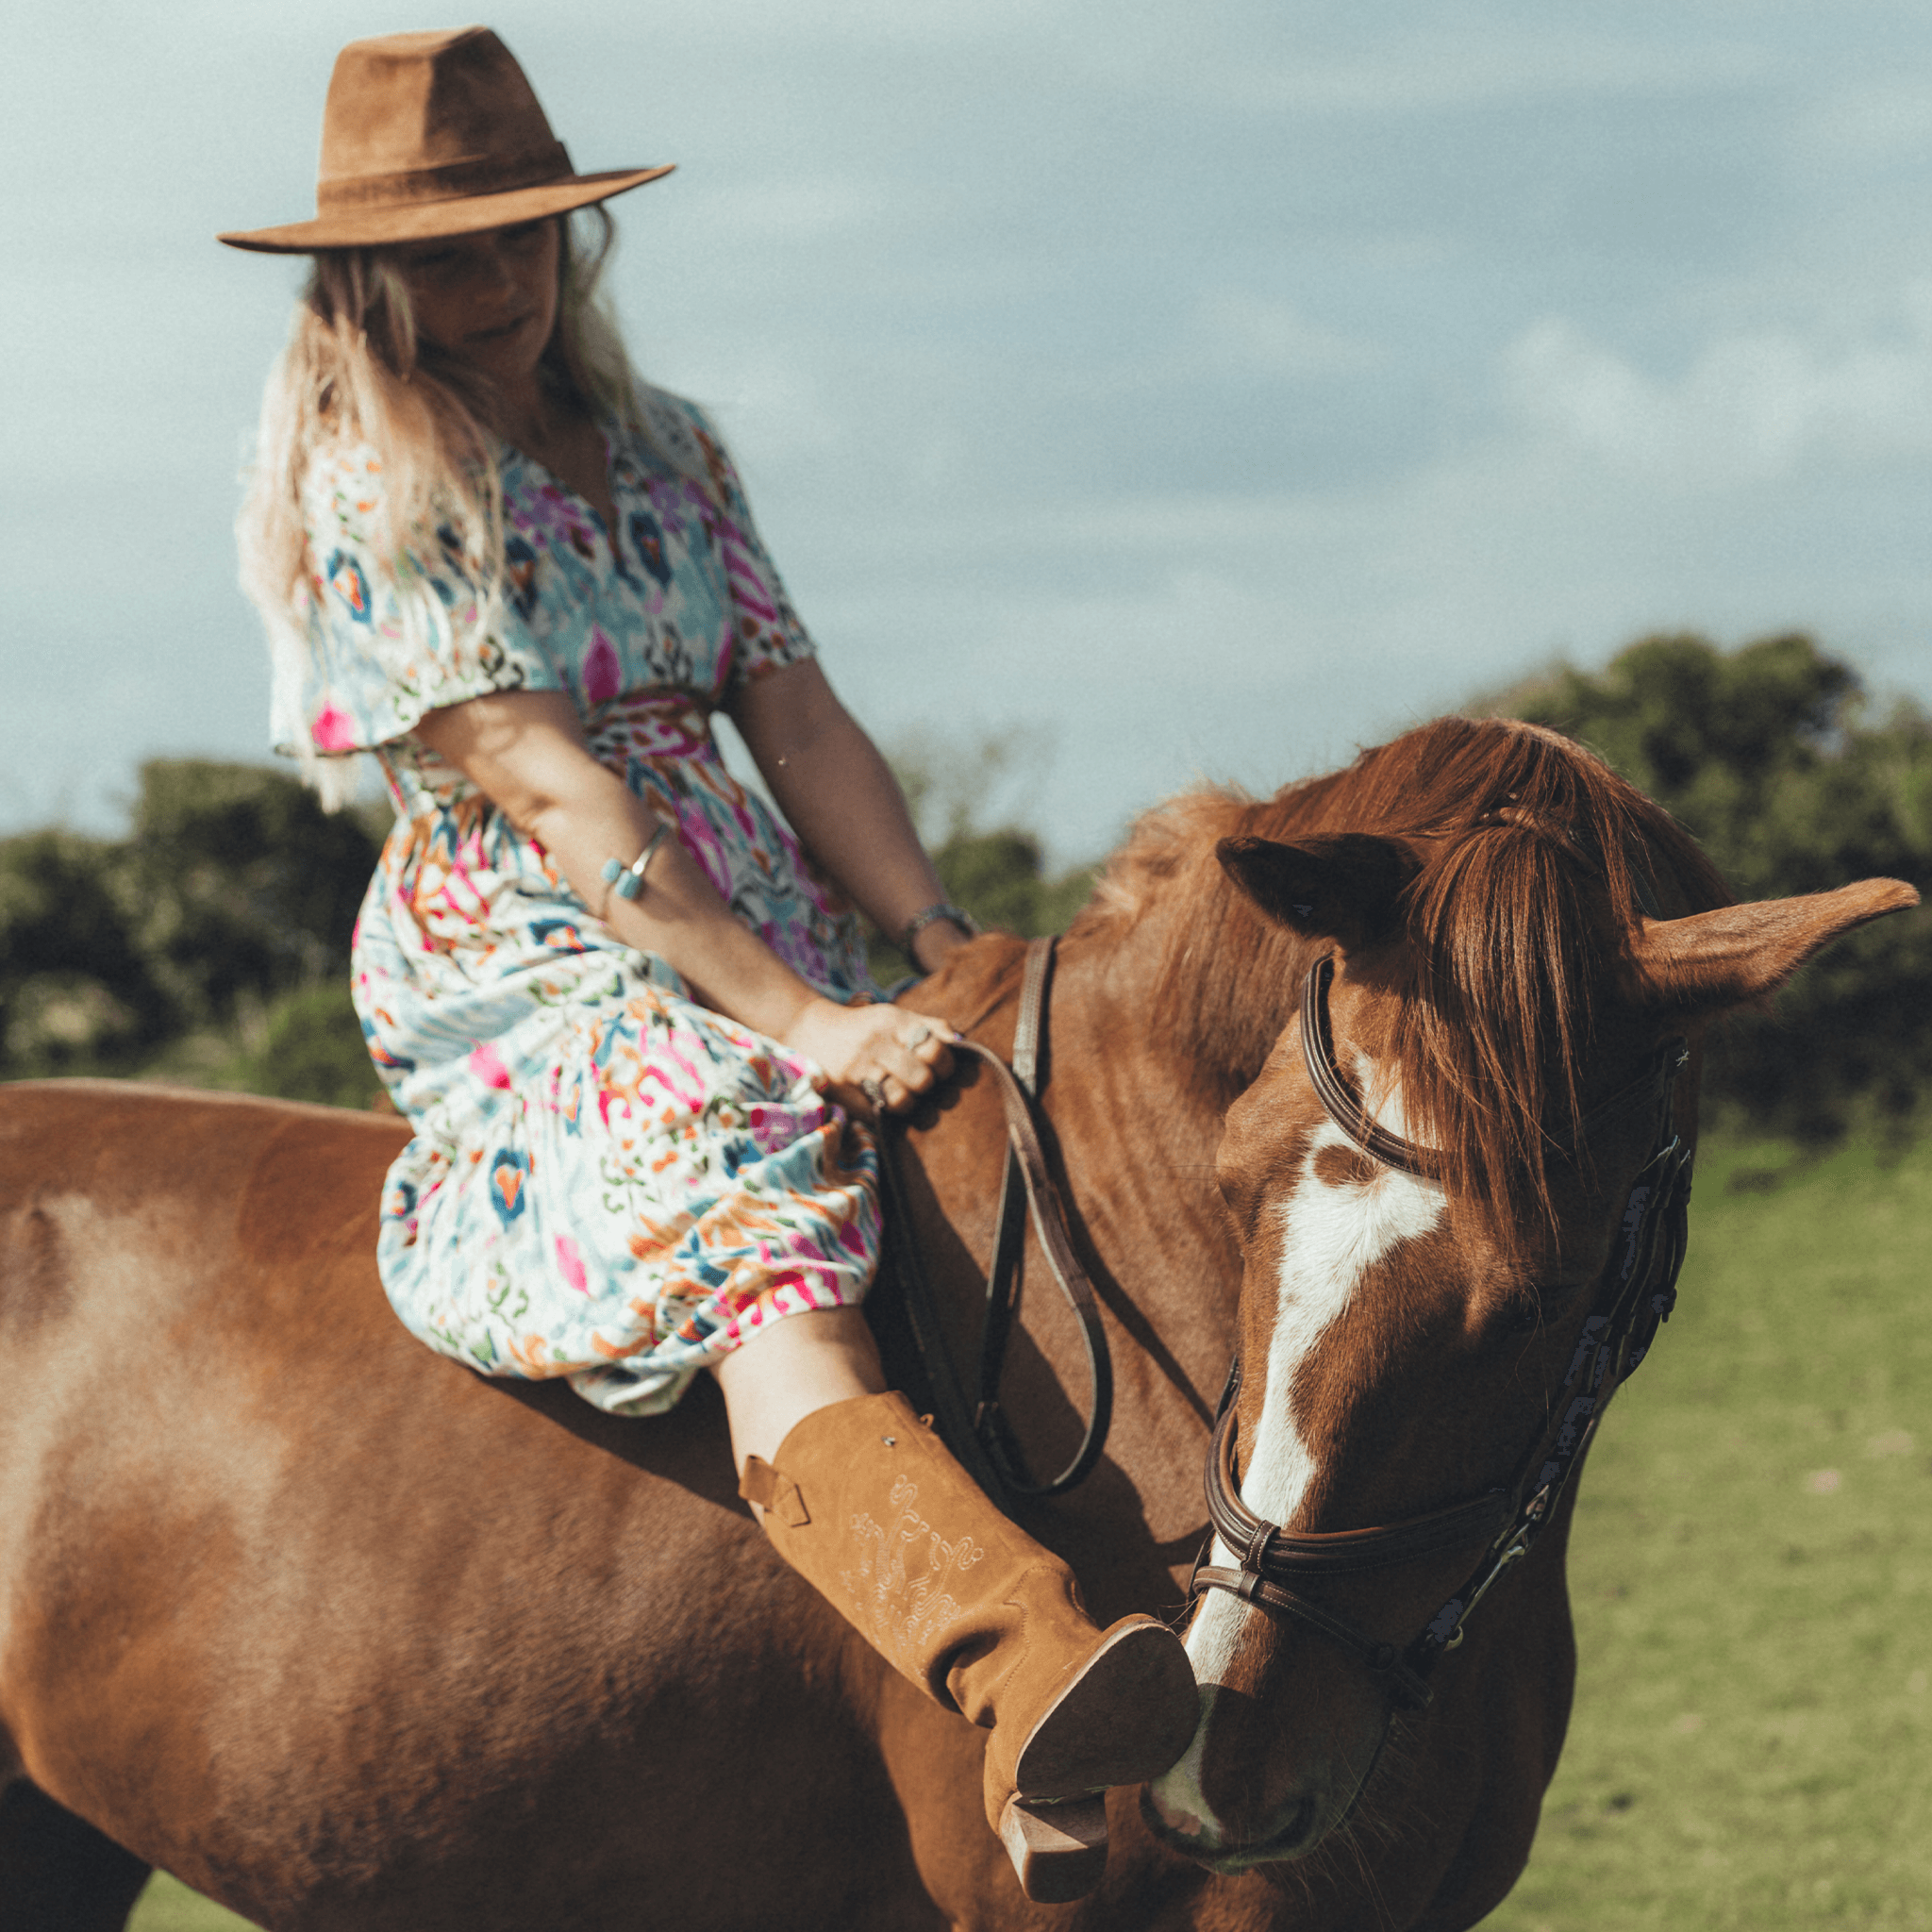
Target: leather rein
[(1635, 1295), (976, 1428)]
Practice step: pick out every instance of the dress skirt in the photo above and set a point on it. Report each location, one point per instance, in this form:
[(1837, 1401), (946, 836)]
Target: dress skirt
[(607, 1182)]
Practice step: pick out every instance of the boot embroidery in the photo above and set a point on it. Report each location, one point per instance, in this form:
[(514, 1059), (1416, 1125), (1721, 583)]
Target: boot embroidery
[(901, 1588)]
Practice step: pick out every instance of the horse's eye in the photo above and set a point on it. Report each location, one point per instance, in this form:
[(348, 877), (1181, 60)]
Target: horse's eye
[(1556, 1298), (1544, 1303)]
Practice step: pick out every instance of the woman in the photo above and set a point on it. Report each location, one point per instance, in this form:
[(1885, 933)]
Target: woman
[(612, 996)]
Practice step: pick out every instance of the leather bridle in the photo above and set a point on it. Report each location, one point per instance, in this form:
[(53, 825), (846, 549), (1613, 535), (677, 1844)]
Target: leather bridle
[(1273, 1566), (1635, 1293)]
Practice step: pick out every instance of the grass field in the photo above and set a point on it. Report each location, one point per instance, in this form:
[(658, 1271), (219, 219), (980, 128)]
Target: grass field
[(1752, 1577), (1751, 1574), (168, 1906)]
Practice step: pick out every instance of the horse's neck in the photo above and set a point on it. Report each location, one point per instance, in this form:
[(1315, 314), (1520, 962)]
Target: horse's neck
[(1138, 1130), (1111, 1067), (1110, 1037), (1133, 1137)]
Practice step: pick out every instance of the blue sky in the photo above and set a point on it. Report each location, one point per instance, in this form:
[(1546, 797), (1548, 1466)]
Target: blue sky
[(1215, 384)]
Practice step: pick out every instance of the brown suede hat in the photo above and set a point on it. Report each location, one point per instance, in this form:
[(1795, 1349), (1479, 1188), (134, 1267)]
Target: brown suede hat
[(434, 134)]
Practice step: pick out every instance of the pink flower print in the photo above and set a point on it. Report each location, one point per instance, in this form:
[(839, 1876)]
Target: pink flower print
[(488, 1068), (602, 676), (569, 1264), (700, 838), (772, 1128), (748, 590), (332, 730)]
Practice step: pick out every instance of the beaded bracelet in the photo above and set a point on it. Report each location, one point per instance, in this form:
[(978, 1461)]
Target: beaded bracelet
[(627, 881), (944, 908)]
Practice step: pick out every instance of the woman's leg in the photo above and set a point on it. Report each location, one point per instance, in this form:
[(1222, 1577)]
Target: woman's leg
[(866, 1504), (790, 1368)]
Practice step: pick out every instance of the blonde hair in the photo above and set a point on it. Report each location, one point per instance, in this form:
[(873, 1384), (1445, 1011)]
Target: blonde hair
[(354, 373)]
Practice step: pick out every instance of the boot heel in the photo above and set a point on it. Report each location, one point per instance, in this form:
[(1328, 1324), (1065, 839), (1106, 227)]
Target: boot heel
[(1059, 1851)]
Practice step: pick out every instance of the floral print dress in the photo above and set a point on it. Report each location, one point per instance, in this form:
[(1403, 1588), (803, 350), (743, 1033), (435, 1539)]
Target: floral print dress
[(607, 1182)]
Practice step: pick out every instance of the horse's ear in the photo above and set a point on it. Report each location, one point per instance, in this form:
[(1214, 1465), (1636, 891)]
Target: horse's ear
[(1714, 961), (1347, 889)]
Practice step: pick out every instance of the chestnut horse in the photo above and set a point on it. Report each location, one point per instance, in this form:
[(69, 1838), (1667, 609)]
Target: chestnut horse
[(350, 1638)]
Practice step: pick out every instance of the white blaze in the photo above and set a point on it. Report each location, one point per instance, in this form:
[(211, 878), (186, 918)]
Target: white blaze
[(1332, 1235)]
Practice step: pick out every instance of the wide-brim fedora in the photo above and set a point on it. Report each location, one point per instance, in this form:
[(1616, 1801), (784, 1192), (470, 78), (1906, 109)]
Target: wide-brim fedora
[(432, 134)]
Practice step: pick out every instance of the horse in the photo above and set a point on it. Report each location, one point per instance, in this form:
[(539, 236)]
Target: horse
[(346, 1635)]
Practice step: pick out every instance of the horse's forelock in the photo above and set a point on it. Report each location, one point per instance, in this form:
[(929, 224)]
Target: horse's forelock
[(1499, 1011), (1538, 858), (1532, 849)]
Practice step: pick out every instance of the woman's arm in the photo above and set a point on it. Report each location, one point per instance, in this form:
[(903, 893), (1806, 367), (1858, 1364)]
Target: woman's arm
[(524, 750), (842, 800)]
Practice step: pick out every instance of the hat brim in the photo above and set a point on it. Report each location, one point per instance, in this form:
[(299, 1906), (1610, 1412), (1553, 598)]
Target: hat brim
[(427, 221)]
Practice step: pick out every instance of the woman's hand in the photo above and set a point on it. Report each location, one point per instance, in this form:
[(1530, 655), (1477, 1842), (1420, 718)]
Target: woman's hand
[(893, 1058)]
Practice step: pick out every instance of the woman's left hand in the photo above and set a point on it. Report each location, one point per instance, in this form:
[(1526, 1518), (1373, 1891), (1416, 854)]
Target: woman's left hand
[(893, 1058)]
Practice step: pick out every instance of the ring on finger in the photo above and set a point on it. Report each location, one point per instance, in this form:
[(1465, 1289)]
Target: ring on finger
[(917, 1038), (873, 1090)]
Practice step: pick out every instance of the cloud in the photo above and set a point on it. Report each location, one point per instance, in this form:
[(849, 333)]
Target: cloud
[(1256, 334), (1879, 118), (1442, 66), (799, 211), (1751, 407)]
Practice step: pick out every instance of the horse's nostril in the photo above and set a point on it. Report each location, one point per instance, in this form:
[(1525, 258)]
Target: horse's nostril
[(1294, 1834), (1206, 1841), (1187, 1823), (1176, 1824)]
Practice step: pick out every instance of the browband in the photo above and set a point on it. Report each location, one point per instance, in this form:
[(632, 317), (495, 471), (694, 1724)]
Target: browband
[(1337, 1096)]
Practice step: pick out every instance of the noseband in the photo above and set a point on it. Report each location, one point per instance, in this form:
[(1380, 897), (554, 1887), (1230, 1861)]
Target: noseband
[(1635, 1293)]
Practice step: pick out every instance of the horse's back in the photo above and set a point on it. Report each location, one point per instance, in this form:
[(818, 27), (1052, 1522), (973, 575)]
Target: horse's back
[(290, 1605), (122, 1205)]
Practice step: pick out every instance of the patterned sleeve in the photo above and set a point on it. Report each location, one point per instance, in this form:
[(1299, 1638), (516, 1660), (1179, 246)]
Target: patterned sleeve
[(386, 647), (769, 632)]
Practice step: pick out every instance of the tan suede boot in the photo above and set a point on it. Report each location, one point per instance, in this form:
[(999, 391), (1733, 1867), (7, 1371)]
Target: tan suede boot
[(868, 1506)]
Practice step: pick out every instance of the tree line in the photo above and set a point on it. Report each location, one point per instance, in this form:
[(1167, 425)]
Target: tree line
[(210, 944), (1773, 757)]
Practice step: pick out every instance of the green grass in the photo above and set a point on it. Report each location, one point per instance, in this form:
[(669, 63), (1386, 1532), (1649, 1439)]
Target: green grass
[(168, 1906), (1752, 1574)]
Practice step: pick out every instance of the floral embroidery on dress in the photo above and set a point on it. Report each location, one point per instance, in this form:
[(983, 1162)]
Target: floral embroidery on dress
[(607, 1182)]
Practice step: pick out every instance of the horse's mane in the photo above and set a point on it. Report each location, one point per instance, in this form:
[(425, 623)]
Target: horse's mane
[(1523, 833)]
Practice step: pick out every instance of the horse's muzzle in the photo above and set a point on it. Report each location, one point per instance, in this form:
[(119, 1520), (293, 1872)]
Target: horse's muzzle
[(1198, 1839)]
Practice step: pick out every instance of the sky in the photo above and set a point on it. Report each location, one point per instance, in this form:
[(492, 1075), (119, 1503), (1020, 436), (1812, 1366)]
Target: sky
[(1177, 388)]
